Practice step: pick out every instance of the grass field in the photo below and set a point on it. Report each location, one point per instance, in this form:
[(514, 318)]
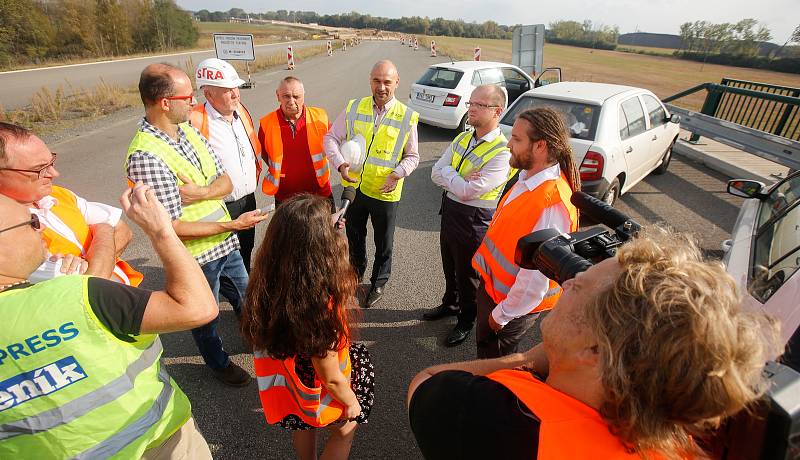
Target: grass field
[(662, 75), (262, 34), (649, 50)]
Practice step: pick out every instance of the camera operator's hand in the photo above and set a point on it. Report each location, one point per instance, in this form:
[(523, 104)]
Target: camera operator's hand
[(493, 324)]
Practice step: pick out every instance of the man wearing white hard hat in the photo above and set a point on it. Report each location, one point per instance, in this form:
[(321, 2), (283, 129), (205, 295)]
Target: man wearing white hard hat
[(227, 125), (291, 143)]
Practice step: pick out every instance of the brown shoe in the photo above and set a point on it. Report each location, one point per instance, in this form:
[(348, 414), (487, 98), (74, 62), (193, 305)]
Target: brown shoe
[(232, 375)]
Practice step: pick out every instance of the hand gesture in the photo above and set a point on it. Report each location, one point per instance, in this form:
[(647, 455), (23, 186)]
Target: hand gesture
[(249, 219), (191, 192), (391, 183), (143, 208), (71, 264), (344, 170), (473, 175)]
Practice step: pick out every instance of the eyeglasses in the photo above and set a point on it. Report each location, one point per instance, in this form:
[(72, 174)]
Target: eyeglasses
[(39, 172), (478, 105), (33, 222), (180, 98)]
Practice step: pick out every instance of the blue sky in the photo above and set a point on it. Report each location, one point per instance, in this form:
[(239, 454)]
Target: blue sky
[(660, 16)]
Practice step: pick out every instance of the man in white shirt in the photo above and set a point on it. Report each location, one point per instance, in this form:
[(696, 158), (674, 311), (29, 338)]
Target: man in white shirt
[(511, 298), (81, 236), (472, 172)]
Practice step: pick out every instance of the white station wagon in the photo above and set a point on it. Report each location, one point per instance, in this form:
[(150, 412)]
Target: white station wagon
[(441, 92), (620, 134)]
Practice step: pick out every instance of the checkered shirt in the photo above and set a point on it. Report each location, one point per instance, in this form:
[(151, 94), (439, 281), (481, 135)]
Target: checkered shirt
[(148, 168)]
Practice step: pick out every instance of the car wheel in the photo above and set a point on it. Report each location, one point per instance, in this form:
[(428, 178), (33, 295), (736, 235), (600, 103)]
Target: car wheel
[(662, 168), (462, 126), (612, 193)]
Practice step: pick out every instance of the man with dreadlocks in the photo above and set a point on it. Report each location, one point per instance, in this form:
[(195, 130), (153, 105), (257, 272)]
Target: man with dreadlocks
[(510, 298)]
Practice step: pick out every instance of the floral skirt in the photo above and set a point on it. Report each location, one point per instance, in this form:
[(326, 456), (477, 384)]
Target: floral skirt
[(362, 382)]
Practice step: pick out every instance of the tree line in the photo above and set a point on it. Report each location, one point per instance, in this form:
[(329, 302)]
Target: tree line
[(582, 34), (34, 30)]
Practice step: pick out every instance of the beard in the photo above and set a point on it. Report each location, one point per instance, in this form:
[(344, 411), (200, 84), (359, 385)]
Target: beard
[(521, 162)]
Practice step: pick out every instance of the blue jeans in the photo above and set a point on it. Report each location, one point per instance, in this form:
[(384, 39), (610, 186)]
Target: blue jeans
[(207, 337)]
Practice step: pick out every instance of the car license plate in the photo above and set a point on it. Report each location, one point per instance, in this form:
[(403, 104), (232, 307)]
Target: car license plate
[(425, 97)]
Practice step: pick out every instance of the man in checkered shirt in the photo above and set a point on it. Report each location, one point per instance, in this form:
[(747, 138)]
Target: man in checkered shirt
[(168, 99)]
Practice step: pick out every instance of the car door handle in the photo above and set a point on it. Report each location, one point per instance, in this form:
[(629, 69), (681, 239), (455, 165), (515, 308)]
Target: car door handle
[(629, 149), (655, 137)]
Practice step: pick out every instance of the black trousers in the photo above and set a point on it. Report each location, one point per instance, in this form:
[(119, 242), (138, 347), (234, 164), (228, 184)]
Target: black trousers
[(247, 237), (463, 229), (491, 344), (383, 215)]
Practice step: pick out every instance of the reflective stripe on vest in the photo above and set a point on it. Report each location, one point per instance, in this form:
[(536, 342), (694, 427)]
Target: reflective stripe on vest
[(477, 158), (200, 211), (199, 119), (66, 209), (80, 392), (494, 258), (384, 146), (272, 151), (569, 429), (282, 392)]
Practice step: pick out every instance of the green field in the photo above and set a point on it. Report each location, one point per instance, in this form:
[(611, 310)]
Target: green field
[(663, 75)]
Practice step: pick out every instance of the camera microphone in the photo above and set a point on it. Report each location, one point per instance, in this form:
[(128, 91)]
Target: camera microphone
[(348, 196), (600, 212)]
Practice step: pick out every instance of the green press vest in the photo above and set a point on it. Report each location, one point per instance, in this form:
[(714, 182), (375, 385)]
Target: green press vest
[(476, 158), (384, 146), (71, 389), (201, 211)]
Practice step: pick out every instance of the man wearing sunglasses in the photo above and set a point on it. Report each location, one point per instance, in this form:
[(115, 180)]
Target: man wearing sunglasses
[(165, 151), (80, 371), (471, 172), (81, 236)]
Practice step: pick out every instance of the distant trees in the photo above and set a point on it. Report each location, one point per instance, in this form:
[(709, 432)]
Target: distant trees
[(583, 34), (741, 39), (32, 30)]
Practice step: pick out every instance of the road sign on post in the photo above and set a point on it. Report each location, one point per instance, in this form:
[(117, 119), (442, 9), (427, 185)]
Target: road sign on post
[(236, 47), (289, 58), (527, 48)]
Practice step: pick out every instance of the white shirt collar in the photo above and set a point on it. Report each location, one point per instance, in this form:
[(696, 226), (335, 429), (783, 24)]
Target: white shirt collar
[(551, 173), (46, 203), (386, 106), (490, 136)]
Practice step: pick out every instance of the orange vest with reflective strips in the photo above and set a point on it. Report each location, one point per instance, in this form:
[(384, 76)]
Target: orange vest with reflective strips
[(494, 259), (282, 393), (272, 150), (199, 119), (66, 209), (569, 429)]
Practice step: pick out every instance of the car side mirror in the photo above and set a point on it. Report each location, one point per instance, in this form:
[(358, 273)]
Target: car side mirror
[(746, 188), (674, 118)]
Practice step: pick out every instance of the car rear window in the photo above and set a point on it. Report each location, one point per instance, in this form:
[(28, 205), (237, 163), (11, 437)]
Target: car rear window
[(581, 119), (440, 78)]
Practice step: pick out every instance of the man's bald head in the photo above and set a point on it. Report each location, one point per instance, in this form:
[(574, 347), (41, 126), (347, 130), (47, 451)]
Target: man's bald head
[(383, 80), (158, 81)]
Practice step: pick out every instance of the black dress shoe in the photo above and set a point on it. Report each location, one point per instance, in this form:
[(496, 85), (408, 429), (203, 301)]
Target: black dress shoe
[(374, 296), (232, 375), (440, 312), (457, 335)]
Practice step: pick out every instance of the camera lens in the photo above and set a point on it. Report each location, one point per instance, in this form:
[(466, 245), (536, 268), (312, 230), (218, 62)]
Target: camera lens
[(558, 262)]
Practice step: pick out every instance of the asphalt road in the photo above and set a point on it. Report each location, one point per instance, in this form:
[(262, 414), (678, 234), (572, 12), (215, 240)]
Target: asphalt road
[(690, 197), (17, 86)]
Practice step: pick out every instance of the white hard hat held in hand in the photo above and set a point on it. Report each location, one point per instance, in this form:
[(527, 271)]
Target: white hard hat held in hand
[(216, 72), (353, 152)]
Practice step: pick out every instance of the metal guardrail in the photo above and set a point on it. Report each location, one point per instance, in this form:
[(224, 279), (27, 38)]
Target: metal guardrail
[(769, 108)]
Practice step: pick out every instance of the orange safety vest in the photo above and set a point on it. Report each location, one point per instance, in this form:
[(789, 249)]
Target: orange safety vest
[(199, 119), (494, 259), (316, 127), (568, 429), (66, 209), (282, 393)]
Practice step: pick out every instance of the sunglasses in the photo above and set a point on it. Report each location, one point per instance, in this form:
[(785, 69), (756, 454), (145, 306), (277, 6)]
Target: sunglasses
[(33, 222)]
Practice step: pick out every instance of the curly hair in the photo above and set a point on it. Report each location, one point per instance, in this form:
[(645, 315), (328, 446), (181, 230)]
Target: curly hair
[(301, 283), (545, 123), (677, 352)]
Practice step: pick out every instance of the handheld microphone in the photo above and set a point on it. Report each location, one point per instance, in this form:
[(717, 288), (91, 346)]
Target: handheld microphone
[(348, 196)]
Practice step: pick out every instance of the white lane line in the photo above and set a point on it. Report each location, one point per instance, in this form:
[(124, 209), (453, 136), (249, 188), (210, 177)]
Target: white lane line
[(131, 59), (409, 323)]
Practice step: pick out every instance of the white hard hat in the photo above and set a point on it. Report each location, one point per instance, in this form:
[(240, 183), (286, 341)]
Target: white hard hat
[(216, 72), (353, 152)]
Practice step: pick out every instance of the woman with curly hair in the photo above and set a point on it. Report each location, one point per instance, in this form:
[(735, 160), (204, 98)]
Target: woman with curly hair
[(310, 374)]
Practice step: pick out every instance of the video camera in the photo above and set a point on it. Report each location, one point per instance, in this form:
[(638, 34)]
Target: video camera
[(770, 431), (561, 256)]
